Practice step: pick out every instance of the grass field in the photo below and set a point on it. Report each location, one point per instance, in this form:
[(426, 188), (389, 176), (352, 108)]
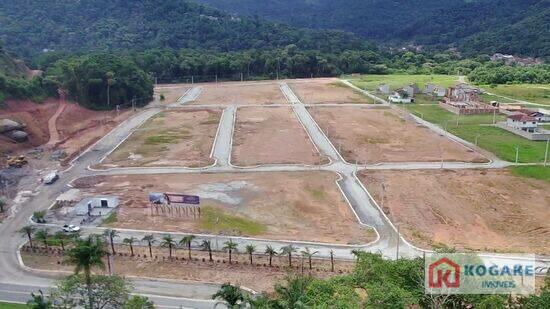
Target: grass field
[(371, 82), (498, 141), (13, 305), (537, 172), (535, 93)]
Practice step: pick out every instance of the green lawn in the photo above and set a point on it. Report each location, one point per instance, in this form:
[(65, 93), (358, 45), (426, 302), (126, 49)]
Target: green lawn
[(13, 306), (537, 172), (498, 141), (216, 220), (371, 82), (536, 93)]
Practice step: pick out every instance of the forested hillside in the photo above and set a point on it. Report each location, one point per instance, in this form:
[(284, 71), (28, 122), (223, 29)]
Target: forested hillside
[(488, 26), (29, 27)]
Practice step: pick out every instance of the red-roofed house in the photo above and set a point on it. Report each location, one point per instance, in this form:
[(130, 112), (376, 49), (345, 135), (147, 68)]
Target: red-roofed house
[(522, 122)]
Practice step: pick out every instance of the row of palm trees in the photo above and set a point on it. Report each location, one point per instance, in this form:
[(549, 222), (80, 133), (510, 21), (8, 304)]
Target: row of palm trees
[(171, 244)]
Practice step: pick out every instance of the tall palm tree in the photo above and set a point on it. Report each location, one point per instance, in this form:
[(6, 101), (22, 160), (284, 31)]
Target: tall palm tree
[(111, 234), (230, 246), (28, 230), (250, 249), (61, 237), (168, 242), (187, 241), (150, 239), (130, 242), (288, 250), (207, 246), (42, 235), (271, 252), (85, 255), (307, 253)]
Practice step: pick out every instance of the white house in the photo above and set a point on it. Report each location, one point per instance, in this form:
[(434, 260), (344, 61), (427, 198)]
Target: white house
[(522, 122), (401, 96)]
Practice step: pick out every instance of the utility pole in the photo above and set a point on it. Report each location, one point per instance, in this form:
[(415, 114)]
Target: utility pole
[(134, 104), (477, 136), (546, 152), (192, 79), (517, 154), (494, 115), (216, 78), (242, 77)]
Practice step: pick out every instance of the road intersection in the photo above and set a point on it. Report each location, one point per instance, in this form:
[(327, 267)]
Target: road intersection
[(15, 277)]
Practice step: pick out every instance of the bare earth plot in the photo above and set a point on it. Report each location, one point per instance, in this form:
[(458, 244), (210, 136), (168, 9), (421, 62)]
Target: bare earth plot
[(270, 135), (381, 135), (171, 92), (173, 138), (285, 206), (326, 91), (240, 94), (467, 209)]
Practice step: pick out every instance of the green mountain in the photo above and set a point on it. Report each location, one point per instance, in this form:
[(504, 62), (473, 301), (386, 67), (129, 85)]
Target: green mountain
[(11, 67), (29, 27), (474, 26)]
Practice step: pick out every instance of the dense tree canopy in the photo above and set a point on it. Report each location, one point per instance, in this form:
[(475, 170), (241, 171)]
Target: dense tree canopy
[(29, 27), (481, 26), (102, 81)]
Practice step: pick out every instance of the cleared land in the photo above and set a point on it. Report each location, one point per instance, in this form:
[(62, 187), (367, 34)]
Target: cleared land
[(371, 82), (292, 206), (240, 94), (271, 135), (496, 140), (173, 138), (171, 92), (535, 93), (200, 268), (466, 209), (382, 135), (327, 91)]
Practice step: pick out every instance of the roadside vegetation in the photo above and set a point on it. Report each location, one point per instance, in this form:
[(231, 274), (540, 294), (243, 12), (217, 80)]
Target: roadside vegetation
[(371, 82), (479, 127), (375, 283), (537, 172)]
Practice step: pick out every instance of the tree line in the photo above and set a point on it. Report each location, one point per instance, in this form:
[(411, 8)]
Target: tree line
[(504, 74)]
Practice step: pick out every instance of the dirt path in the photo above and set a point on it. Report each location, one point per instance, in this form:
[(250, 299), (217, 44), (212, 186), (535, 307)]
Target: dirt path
[(52, 126)]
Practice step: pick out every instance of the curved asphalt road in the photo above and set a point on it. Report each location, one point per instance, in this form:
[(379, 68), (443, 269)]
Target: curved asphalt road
[(14, 278)]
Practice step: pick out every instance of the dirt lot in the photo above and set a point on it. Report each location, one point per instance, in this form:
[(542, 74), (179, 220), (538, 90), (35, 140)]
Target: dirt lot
[(218, 271), (381, 135), (271, 135), (325, 91), (290, 206), (466, 209), (171, 92), (263, 93), (35, 116), (76, 136), (174, 138)]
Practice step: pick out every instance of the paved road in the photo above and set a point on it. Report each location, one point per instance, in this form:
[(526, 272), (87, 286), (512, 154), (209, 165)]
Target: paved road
[(12, 273), (224, 138), (368, 213)]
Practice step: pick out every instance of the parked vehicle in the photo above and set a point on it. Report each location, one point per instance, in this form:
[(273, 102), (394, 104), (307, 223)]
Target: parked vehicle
[(70, 228), (51, 178)]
